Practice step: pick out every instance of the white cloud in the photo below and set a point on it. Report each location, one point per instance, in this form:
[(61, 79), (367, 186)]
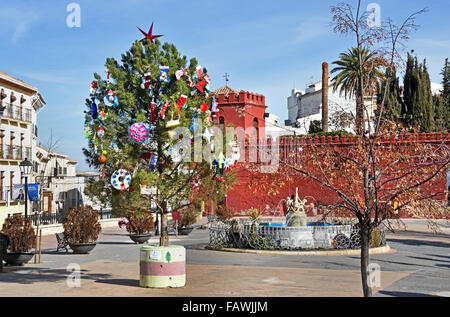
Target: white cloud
[(311, 28), (16, 22)]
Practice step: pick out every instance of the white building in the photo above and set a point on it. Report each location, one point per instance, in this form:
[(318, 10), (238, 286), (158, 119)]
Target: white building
[(61, 185), (274, 129), (18, 135), (305, 107)]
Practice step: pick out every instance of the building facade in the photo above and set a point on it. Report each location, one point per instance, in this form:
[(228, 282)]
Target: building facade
[(305, 107), (61, 185), (20, 103)]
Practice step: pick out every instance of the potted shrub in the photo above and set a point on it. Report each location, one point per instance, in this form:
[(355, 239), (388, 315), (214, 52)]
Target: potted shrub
[(187, 218), (81, 229), (21, 239), (140, 226)]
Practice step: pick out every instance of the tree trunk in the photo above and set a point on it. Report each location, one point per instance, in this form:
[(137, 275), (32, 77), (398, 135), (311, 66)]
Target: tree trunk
[(164, 236), (365, 245), (360, 126)]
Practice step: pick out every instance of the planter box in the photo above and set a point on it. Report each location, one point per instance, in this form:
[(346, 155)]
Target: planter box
[(82, 248), (185, 231), (141, 238), (18, 258)]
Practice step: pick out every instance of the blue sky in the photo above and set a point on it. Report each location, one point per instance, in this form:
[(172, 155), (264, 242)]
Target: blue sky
[(264, 45)]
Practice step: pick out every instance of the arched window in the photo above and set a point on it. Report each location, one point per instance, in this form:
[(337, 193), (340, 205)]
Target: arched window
[(222, 124), (255, 128)]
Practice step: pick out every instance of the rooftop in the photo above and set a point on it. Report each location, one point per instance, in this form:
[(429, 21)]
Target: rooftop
[(225, 90)]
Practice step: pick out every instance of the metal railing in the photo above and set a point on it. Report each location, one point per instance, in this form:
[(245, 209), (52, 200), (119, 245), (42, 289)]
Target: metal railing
[(58, 218), (15, 112), (15, 152)]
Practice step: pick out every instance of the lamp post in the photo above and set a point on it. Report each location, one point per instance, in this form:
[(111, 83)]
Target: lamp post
[(25, 168)]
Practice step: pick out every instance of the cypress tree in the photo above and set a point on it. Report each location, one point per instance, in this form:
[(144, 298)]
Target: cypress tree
[(443, 108), (418, 101), (393, 103)]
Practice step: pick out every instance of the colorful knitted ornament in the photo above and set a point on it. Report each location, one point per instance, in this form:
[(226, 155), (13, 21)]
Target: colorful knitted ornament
[(164, 77), (153, 162), (87, 132), (195, 184), (153, 115), (111, 99), (181, 102), (182, 72), (121, 180), (162, 114), (102, 116), (139, 132), (94, 109), (94, 88), (100, 132), (146, 81)]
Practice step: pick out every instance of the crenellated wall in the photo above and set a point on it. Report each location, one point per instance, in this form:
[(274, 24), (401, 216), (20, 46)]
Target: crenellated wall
[(241, 197)]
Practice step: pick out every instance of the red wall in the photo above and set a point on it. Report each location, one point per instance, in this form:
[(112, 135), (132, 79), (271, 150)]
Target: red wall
[(241, 109), (247, 194)]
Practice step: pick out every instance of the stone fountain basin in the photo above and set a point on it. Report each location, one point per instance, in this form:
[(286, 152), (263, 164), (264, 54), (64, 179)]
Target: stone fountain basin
[(312, 236)]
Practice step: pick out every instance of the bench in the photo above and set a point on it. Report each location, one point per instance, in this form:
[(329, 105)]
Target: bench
[(62, 242)]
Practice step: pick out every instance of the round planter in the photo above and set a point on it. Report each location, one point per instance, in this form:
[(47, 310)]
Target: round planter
[(82, 248), (140, 238), (162, 267), (18, 258), (185, 231)]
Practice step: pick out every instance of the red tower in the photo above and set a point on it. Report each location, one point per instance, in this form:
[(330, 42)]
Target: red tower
[(241, 109)]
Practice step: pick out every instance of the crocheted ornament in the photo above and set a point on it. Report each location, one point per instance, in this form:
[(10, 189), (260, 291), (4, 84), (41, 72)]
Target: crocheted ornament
[(139, 132), (153, 115), (100, 132), (94, 87), (153, 162), (162, 114), (102, 158), (146, 81), (121, 180), (87, 132), (164, 77), (94, 109), (182, 72), (181, 102), (204, 107), (111, 100), (102, 116)]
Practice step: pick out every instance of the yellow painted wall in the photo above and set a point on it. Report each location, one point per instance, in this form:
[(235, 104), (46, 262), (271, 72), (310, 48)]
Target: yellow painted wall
[(14, 208)]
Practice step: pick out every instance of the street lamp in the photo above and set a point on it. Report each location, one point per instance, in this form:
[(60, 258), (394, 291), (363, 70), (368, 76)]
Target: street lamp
[(25, 168)]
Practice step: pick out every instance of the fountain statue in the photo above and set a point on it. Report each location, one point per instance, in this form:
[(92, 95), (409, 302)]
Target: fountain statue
[(296, 216)]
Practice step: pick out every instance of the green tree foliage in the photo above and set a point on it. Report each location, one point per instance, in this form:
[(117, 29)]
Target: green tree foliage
[(442, 103), (347, 79), (393, 103), (315, 126), (172, 178), (418, 99)]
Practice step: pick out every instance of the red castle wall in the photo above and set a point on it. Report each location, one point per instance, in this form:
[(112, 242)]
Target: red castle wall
[(242, 196), (241, 110)]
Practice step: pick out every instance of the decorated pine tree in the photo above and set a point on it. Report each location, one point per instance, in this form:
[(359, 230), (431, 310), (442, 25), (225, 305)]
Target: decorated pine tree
[(148, 126)]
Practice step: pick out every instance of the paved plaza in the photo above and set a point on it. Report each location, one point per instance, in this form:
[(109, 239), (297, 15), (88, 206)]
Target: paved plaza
[(418, 265)]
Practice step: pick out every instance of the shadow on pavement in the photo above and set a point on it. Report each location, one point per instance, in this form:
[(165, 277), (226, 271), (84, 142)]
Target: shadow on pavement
[(404, 294), (414, 242), (120, 282), (25, 275)]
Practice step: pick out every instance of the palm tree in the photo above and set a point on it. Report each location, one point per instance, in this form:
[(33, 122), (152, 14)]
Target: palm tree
[(348, 80)]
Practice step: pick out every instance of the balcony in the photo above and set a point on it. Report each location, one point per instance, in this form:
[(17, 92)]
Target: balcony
[(15, 153), (16, 113)]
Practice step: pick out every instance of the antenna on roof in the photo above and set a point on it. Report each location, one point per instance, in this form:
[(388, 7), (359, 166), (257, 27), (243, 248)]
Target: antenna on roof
[(227, 78)]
